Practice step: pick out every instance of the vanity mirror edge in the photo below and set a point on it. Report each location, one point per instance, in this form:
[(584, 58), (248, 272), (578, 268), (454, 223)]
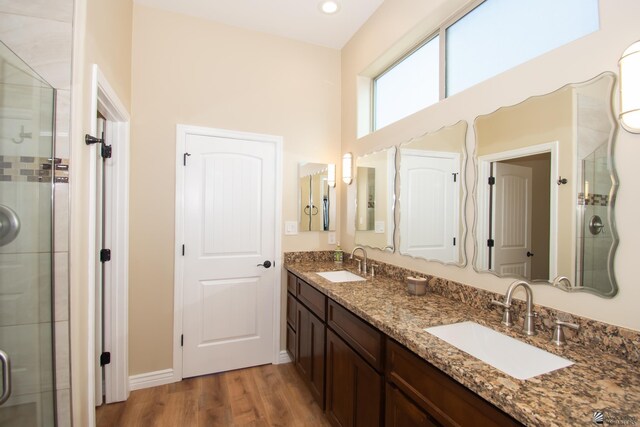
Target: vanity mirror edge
[(559, 283), (463, 227)]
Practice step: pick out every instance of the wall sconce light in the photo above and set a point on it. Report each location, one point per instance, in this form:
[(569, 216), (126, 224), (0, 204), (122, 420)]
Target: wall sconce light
[(347, 168), (331, 175), (630, 88)]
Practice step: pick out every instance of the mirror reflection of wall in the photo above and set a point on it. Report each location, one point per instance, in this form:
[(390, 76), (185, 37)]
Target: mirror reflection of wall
[(537, 188), (432, 195), (317, 207), (366, 205), (375, 199)]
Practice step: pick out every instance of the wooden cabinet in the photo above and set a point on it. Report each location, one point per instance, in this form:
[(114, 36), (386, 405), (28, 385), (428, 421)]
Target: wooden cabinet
[(310, 357), (354, 388), (306, 332), (364, 338), (443, 399), (361, 378), (402, 412)]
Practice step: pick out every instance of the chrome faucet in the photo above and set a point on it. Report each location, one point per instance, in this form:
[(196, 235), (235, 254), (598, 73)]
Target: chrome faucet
[(529, 326), (364, 260)]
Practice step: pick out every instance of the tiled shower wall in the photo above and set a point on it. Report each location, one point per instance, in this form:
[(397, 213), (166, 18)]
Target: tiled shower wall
[(40, 32)]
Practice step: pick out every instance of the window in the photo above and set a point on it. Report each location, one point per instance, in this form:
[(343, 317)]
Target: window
[(491, 38), (408, 86), (500, 34)]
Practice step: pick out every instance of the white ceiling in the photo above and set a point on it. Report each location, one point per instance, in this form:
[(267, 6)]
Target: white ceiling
[(295, 19)]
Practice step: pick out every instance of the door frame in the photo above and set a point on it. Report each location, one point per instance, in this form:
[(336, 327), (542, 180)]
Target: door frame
[(105, 100), (181, 138), (480, 261)]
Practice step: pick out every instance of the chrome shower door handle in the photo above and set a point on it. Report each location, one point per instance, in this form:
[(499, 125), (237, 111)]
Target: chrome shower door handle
[(6, 377)]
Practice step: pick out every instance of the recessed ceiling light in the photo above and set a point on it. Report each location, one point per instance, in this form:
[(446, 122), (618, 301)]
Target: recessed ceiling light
[(329, 7)]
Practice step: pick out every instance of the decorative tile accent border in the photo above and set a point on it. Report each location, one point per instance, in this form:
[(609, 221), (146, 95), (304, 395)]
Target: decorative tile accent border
[(622, 342), (593, 199), (32, 169)]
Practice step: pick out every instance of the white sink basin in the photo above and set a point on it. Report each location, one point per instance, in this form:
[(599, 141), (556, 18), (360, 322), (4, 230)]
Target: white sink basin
[(509, 355), (340, 276)]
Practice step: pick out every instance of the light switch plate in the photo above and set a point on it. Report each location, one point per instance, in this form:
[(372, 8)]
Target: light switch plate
[(379, 227), (290, 228), (331, 238)]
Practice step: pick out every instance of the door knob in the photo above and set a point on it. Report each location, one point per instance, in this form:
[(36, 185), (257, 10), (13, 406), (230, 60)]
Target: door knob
[(265, 264), (529, 254)]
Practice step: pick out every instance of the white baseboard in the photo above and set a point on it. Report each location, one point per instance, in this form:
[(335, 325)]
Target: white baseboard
[(151, 379), (284, 357)]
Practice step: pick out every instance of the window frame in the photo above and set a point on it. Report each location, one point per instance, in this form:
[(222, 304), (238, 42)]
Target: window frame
[(423, 42), (440, 32)]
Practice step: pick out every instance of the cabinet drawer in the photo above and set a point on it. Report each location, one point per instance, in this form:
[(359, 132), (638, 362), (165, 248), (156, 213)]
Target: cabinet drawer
[(291, 311), (448, 402), (366, 340), (314, 299), (291, 282)]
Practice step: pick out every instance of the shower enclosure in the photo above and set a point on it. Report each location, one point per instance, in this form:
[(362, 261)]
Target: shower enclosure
[(26, 202)]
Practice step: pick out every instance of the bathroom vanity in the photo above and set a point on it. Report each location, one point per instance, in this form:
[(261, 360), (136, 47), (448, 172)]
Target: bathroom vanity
[(363, 351)]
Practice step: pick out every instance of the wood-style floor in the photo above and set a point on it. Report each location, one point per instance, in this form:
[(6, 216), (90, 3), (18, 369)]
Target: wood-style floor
[(269, 395)]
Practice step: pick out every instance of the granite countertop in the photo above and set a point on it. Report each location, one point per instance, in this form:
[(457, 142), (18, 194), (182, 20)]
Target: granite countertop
[(566, 397)]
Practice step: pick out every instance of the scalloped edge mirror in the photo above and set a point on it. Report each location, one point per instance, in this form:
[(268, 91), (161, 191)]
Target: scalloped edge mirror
[(432, 196), (545, 189)]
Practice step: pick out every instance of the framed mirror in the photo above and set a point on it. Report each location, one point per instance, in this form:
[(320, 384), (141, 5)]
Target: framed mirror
[(432, 194), (317, 194), (545, 188), (375, 199)]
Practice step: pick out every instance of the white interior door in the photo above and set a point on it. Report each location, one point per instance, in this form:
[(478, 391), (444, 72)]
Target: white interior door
[(512, 212), (429, 201), (229, 230)]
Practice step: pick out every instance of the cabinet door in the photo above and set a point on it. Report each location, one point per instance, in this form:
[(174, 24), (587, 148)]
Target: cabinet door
[(401, 412), (310, 356), (354, 389), (291, 311), (291, 343)]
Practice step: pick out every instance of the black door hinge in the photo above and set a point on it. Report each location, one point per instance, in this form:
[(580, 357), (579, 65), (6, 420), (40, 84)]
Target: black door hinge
[(492, 180), (184, 158), (181, 340), (106, 151), (454, 241), (490, 243), (105, 358), (105, 255), (455, 177), (182, 250)]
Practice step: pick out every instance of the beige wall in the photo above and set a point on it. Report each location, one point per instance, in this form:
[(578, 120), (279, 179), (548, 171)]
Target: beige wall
[(578, 61), (102, 35), (194, 72)]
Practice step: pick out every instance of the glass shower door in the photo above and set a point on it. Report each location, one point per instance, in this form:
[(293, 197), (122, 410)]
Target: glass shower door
[(26, 188)]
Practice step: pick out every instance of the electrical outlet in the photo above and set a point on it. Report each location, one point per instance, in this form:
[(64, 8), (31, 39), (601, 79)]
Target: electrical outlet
[(331, 238), (379, 227)]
